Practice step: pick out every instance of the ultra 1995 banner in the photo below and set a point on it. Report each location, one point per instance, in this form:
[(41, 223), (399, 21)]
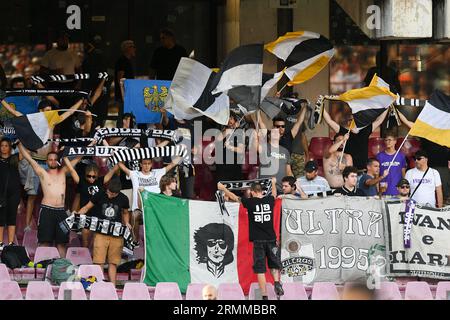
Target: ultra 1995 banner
[(331, 239)]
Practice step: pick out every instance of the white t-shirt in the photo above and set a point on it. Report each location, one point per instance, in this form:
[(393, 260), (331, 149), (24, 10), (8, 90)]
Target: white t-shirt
[(313, 187), (149, 182), (56, 59), (426, 193)]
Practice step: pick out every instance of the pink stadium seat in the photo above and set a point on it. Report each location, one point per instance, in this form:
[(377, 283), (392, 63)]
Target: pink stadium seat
[(194, 291), (10, 290), (79, 256), (4, 274), (46, 253), (76, 288), (74, 240), (294, 291), (230, 291), (135, 291), (103, 291), (410, 147), (39, 290), (376, 145), (255, 286), (418, 290), (136, 274), (167, 291), (388, 291), (139, 253), (88, 270), (30, 242), (318, 145), (324, 291), (441, 291)]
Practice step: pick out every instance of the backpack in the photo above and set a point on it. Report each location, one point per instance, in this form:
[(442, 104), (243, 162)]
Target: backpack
[(128, 266), (15, 257), (62, 271)]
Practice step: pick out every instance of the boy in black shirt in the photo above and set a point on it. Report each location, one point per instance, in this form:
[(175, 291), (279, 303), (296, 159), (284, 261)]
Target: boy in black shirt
[(350, 175), (262, 234)]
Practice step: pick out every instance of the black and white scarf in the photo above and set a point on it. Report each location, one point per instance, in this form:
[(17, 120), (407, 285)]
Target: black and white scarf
[(410, 102), (239, 186), (133, 154), (45, 92), (104, 133), (62, 77), (94, 151), (73, 142), (78, 222)]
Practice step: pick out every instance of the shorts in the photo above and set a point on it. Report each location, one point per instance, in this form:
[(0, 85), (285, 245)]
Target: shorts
[(298, 164), (49, 230), (107, 247), (129, 194), (263, 249), (28, 178)]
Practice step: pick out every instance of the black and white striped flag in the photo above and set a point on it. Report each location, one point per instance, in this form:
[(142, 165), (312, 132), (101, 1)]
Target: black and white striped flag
[(148, 153), (62, 77)]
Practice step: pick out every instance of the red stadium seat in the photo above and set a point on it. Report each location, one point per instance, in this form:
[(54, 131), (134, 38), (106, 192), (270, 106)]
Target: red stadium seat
[(410, 147), (318, 145), (376, 145)]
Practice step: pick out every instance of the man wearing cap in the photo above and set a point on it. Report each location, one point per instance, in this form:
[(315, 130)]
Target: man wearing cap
[(313, 184), (124, 68), (426, 185), (403, 189)]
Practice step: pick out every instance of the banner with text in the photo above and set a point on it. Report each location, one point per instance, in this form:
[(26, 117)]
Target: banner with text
[(429, 252)]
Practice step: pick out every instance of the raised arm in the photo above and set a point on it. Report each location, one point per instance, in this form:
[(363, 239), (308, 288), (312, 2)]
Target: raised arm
[(172, 165), (374, 181), (335, 147), (111, 174), (379, 120), (228, 193), (331, 123), (305, 146), (274, 187), (11, 109), (69, 167), (97, 92), (124, 168), (36, 167), (405, 121), (298, 124), (70, 112)]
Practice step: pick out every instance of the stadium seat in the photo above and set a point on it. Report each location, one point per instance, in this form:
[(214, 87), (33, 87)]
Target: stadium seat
[(318, 145), (139, 253), (103, 291), (441, 291), (230, 291), (74, 240), (135, 291), (410, 147), (88, 270), (388, 291), (45, 253), (136, 274), (10, 290), (294, 291), (167, 291), (4, 274), (324, 291), (194, 291), (418, 290), (376, 145), (79, 256), (77, 289), (39, 290), (30, 242), (255, 286)]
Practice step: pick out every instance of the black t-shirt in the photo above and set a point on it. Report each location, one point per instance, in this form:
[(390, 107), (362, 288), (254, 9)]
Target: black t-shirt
[(355, 193), (287, 140), (260, 218), (88, 190), (110, 209), (9, 170), (123, 64), (165, 61), (358, 146), (226, 171)]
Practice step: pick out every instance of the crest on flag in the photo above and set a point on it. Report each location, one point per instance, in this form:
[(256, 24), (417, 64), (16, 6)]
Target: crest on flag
[(155, 96)]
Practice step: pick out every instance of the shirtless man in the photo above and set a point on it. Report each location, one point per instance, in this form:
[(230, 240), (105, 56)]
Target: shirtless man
[(29, 179), (332, 168), (52, 212)]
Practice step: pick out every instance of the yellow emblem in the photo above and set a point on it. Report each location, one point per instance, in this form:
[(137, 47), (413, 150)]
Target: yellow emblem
[(154, 98)]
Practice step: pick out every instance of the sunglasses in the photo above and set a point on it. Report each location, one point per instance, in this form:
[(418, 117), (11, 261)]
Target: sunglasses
[(404, 187), (91, 177), (213, 243), (280, 126)]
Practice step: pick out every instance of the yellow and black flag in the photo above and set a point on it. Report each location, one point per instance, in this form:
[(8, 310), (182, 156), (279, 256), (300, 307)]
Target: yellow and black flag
[(305, 54), (433, 122)]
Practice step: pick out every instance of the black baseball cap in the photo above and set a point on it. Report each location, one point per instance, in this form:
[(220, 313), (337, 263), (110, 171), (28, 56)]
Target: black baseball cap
[(311, 166), (402, 182)]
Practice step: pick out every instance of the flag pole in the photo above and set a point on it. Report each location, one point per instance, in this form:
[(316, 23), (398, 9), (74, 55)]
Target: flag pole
[(343, 149), (279, 92), (398, 151), (64, 110)]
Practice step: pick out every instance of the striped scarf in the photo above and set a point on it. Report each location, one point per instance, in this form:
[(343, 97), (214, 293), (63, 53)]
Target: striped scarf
[(61, 77), (149, 153), (94, 151), (104, 133), (45, 92)]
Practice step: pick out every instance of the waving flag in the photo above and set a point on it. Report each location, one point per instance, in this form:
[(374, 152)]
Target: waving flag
[(190, 94), (192, 242), (433, 122), (368, 103), (305, 54), (242, 67), (33, 130)]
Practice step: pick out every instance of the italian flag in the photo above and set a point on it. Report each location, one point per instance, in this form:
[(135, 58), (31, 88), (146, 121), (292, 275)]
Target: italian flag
[(192, 242)]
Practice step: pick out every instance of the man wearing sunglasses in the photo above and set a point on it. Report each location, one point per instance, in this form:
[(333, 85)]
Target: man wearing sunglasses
[(425, 182), (403, 189)]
